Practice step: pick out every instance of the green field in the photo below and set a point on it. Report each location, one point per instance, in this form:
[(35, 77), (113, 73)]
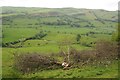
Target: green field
[(45, 30)]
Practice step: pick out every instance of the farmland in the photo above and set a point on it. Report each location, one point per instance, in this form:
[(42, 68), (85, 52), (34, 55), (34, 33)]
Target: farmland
[(50, 31)]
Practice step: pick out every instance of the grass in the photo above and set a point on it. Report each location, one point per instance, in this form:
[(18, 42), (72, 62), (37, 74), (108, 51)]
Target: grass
[(22, 21), (83, 72), (13, 34)]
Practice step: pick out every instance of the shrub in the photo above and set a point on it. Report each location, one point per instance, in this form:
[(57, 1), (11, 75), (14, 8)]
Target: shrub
[(82, 56), (105, 49), (103, 53)]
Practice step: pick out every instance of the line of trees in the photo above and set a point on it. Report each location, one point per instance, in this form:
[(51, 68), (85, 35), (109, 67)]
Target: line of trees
[(36, 36)]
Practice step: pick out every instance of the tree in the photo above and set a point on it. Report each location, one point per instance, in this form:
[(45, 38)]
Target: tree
[(78, 37), (65, 46)]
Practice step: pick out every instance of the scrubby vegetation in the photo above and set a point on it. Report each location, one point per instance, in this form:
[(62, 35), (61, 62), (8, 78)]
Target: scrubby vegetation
[(31, 62)]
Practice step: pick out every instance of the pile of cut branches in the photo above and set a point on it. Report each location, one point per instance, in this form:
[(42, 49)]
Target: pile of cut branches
[(33, 62)]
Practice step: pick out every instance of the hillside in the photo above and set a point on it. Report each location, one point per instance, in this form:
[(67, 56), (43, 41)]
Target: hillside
[(52, 32)]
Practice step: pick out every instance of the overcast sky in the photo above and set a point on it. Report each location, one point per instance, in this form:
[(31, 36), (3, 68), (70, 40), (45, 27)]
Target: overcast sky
[(90, 4)]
